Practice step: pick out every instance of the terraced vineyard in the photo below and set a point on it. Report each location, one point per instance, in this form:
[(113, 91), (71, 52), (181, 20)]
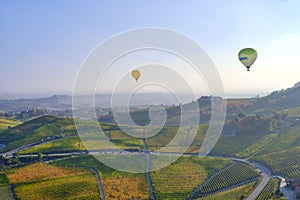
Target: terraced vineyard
[(269, 190), (285, 163), (236, 193), (257, 146), (179, 179), (40, 181), (233, 175), (230, 146), (283, 154), (287, 138)]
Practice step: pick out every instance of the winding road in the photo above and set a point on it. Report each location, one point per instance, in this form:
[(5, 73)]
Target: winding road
[(265, 172)]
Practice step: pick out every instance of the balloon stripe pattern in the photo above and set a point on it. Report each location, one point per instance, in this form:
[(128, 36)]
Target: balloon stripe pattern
[(247, 57)]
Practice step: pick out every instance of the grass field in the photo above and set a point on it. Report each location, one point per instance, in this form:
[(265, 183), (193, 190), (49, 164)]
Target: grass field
[(41, 181)]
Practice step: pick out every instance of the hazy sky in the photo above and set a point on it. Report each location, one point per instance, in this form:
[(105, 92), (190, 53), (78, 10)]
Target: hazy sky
[(43, 43)]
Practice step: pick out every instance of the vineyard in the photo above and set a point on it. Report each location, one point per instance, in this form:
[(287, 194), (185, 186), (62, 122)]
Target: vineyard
[(41, 181), (5, 193), (37, 129), (162, 138), (236, 193), (62, 145), (116, 184), (123, 140), (230, 146), (40, 171), (257, 146), (235, 174), (179, 179), (285, 163), (283, 154), (269, 190), (197, 142), (287, 138), (5, 123)]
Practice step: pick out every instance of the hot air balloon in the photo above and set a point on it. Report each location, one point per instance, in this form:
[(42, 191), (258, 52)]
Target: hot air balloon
[(247, 56), (136, 74)]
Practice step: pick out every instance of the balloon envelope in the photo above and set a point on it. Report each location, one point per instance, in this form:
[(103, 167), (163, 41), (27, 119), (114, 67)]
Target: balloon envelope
[(136, 74), (247, 56)]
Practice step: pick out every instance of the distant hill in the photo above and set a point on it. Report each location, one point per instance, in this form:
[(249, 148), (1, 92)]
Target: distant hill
[(41, 128), (64, 102), (274, 102)]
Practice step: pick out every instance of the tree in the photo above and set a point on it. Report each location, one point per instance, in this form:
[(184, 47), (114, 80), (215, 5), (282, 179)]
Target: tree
[(40, 156), (16, 157)]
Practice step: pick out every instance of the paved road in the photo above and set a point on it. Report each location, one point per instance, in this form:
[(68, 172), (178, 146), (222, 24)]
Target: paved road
[(100, 186), (27, 146), (259, 188), (149, 181)]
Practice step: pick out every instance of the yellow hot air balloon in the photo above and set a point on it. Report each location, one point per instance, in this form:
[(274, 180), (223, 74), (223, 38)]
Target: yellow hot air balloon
[(247, 56), (136, 74)]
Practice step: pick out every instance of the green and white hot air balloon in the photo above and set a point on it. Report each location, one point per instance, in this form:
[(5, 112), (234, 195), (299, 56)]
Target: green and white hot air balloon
[(247, 56)]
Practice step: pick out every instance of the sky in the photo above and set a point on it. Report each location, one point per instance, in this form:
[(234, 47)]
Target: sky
[(44, 43)]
